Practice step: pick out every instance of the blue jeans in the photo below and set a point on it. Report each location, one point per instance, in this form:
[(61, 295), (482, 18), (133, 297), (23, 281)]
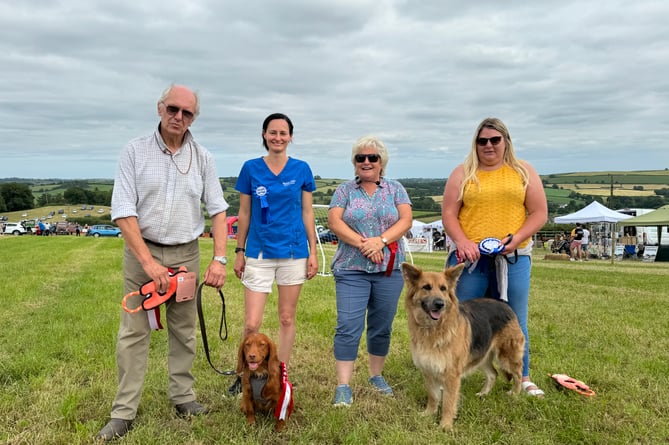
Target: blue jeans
[(360, 293), (482, 281)]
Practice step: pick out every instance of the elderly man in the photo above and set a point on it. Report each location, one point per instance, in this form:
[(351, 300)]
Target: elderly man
[(160, 183)]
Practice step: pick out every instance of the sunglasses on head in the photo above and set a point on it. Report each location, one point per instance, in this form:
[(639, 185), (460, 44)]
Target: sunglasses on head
[(495, 140), (371, 158), (173, 111)]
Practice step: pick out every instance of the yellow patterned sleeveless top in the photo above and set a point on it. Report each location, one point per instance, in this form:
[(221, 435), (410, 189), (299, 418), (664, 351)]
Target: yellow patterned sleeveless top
[(495, 206)]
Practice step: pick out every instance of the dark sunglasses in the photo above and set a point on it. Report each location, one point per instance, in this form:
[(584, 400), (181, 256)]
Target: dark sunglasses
[(495, 140), (173, 111), (371, 158)]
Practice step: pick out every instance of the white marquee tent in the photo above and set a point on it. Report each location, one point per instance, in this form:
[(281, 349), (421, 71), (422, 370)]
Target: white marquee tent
[(592, 213), (595, 213), (435, 225), (417, 228)]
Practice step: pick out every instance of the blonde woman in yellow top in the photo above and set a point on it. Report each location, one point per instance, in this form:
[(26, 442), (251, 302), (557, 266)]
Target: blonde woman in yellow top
[(494, 203)]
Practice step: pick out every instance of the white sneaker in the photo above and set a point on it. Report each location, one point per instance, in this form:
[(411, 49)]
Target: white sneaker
[(571, 259)]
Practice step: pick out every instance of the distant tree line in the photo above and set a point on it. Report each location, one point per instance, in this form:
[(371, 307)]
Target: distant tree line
[(15, 196)]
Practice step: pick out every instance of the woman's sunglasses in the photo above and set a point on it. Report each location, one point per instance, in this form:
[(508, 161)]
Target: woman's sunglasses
[(371, 158), (495, 140)]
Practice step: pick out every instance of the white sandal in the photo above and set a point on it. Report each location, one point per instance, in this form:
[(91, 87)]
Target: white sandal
[(536, 392)]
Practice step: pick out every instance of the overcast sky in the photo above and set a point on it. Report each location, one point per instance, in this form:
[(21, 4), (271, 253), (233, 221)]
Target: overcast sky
[(582, 85)]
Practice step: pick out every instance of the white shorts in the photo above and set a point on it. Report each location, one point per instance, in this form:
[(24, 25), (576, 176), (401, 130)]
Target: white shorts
[(260, 274)]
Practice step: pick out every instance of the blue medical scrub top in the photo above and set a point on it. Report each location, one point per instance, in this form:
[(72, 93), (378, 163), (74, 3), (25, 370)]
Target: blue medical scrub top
[(276, 228)]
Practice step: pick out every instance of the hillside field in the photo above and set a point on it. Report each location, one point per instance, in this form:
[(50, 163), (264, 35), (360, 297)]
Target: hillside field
[(558, 187)]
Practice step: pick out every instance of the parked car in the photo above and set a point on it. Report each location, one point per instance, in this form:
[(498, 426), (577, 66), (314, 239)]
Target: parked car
[(99, 230), (15, 228), (327, 237)]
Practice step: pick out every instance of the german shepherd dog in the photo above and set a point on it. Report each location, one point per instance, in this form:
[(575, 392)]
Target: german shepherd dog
[(450, 339)]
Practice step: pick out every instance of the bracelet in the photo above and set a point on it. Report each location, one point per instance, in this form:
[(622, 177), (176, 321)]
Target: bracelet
[(239, 249)]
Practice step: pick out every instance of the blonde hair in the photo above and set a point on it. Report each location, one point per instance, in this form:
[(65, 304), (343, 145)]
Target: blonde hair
[(471, 163), (371, 142)]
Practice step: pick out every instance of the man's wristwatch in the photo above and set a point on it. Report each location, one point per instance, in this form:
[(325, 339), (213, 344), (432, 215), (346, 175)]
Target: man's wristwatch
[(384, 240), (221, 259), (239, 249)]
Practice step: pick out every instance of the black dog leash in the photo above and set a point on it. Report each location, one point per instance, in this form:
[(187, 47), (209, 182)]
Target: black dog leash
[(203, 328)]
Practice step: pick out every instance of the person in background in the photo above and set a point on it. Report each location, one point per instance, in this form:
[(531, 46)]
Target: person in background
[(369, 214), (494, 194), (276, 233), (575, 239), (584, 244), (168, 166)]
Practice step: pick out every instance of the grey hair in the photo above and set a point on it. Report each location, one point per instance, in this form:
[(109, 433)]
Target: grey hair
[(167, 91)]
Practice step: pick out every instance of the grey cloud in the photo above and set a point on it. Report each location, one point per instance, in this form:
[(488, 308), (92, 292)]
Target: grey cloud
[(582, 86)]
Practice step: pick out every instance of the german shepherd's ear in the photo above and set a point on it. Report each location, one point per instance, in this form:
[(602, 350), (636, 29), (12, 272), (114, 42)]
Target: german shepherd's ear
[(410, 272), (453, 273)]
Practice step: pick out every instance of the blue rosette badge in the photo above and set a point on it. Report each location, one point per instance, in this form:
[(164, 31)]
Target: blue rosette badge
[(261, 192), (491, 246)]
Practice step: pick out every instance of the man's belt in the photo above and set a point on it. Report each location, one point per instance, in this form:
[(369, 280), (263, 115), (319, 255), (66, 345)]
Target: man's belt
[(163, 246)]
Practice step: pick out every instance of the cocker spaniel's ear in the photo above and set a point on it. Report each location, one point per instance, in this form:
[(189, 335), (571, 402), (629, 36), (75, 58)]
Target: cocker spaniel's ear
[(273, 357), (240, 357)]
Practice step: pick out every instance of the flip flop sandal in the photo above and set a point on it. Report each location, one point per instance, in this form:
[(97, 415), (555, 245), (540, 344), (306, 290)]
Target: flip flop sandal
[(532, 392), (575, 385)]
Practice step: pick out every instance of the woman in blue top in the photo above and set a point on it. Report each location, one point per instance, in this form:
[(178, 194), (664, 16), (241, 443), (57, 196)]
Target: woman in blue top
[(369, 215), (276, 235)]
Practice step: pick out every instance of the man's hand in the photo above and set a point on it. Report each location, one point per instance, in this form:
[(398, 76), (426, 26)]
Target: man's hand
[(215, 275)]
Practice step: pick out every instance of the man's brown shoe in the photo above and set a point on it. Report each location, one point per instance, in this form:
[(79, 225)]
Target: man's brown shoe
[(190, 409), (114, 429)]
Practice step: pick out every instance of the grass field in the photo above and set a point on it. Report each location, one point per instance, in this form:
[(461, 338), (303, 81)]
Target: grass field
[(603, 323), (70, 212)]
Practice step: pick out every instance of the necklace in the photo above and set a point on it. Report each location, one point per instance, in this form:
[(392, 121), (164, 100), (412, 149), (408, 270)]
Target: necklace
[(166, 150), (190, 162)]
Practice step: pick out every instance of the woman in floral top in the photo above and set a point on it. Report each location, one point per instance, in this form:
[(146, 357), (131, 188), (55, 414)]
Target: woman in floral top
[(369, 215)]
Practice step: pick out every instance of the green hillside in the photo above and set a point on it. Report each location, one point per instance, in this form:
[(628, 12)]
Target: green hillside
[(565, 192)]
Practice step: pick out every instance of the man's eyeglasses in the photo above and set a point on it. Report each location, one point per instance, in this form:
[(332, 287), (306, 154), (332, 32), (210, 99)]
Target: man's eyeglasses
[(371, 158), (173, 111), (495, 140)]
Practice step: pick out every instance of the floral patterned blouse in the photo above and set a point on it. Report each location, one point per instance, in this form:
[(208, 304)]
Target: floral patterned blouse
[(369, 216)]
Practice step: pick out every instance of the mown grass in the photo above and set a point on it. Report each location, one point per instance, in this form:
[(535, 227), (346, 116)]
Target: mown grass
[(603, 323)]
